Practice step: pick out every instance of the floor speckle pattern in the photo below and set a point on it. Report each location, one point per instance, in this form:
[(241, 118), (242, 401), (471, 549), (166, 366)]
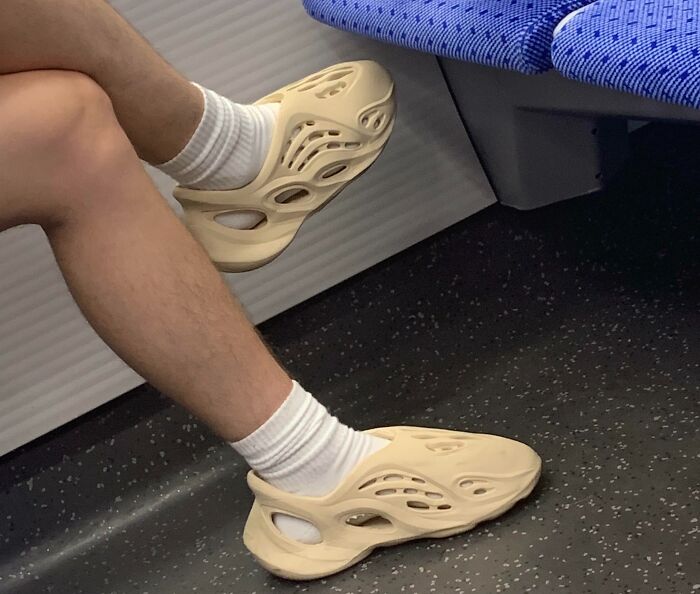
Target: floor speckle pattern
[(573, 328)]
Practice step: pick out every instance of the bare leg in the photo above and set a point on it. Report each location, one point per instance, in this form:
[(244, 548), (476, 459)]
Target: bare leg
[(141, 280), (158, 108)]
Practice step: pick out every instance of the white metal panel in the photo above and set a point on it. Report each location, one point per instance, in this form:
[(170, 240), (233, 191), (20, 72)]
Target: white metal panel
[(52, 365)]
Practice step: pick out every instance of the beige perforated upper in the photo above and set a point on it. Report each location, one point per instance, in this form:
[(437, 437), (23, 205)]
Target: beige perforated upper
[(425, 483), (332, 126)]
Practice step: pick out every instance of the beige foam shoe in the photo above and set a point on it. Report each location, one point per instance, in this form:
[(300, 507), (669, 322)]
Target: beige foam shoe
[(331, 127), (425, 483)]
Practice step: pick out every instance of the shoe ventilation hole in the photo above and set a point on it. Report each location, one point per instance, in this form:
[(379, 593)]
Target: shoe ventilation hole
[(465, 484), (243, 220), (373, 119), (305, 162), (313, 533), (352, 145), (331, 90), (433, 495), (338, 74), (393, 477), (334, 171), (292, 195), (290, 158), (368, 483), (322, 80), (306, 81), (298, 152), (445, 446), (444, 506), (384, 492), (417, 505), (479, 491), (368, 521)]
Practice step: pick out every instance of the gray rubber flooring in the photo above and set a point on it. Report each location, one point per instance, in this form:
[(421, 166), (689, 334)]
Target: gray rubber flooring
[(573, 328)]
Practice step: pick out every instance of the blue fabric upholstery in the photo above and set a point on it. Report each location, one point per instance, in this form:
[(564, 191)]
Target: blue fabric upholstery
[(647, 47), (513, 34)]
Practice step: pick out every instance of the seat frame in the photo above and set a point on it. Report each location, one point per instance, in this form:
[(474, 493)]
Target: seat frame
[(545, 138)]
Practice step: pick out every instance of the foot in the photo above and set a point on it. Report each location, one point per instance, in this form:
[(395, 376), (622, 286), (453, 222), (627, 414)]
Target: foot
[(424, 483), (303, 450), (329, 128), (228, 148)]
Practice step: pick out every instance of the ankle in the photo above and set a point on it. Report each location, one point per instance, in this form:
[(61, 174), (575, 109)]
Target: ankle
[(185, 111), (229, 146), (302, 449)]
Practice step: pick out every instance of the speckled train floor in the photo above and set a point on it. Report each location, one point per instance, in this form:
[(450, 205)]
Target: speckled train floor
[(573, 328)]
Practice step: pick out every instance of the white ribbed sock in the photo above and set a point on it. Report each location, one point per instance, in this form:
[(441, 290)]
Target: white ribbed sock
[(302, 449), (229, 146)]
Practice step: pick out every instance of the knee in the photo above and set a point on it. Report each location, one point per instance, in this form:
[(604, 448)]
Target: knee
[(62, 130)]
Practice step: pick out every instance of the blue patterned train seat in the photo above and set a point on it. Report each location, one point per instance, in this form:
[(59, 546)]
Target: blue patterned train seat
[(511, 34), (646, 47)]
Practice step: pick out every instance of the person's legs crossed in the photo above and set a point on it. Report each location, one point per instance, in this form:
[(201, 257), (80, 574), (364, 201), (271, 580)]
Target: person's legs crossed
[(156, 106), (139, 277), (159, 110), (203, 140), (149, 289)]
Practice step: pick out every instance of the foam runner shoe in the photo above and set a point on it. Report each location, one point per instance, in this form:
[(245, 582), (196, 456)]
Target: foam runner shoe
[(331, 127), (425, 483)]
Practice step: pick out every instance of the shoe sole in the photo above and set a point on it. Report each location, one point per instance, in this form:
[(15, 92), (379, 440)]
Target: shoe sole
[(440, 534)]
